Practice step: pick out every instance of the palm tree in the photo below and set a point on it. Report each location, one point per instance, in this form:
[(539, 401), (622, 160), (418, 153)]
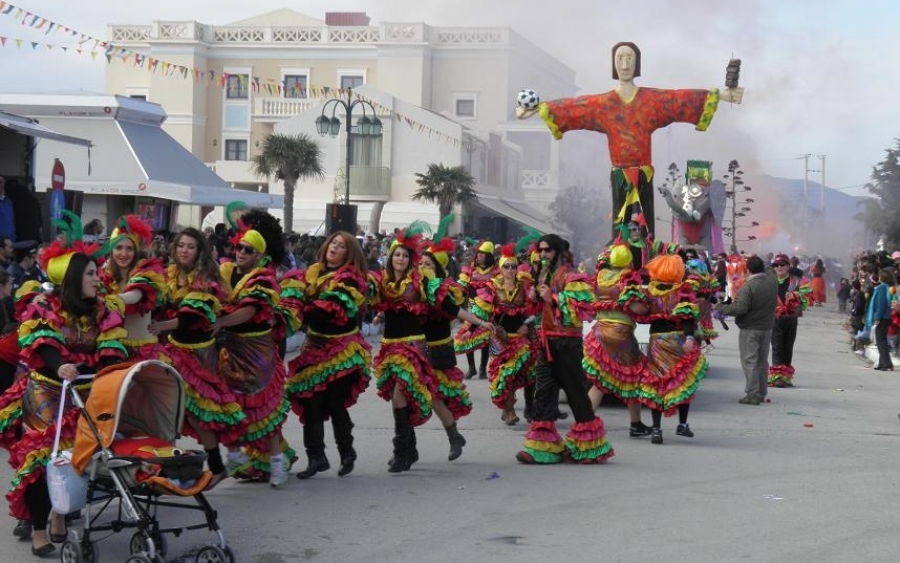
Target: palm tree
[(445, 186), (289, 158)]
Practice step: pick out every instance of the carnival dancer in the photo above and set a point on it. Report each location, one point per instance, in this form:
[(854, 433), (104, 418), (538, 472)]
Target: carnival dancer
[(193, 300), (675, 364), (470, 338), (249, 356), (402, 367), (793, 295), (566, 299), (134, 284), (63, 334), (509, 302), (332, 369), (613, 361), (445, 300), (705, 288)]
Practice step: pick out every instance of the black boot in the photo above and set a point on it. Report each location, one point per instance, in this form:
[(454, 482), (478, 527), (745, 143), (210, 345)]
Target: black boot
[(529, 403), (413, 452), (485, 356), (456, 441), (314, 442), (472, 371), (344, 437), (402, 427), (317, 462)]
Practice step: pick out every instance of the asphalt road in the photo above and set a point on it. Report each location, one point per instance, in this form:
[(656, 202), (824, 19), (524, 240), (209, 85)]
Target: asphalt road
[(809, 477)]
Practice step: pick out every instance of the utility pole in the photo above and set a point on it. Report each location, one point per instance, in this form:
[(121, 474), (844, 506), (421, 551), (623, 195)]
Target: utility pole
[(822, 192), (805, 158)]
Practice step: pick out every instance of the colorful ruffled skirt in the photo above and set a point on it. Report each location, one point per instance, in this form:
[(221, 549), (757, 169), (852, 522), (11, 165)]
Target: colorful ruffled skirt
[(30, 408), (470, 338), (613, 361), (322, 361), (706, 329), (209, 402), (255, 373), (403, 363), (511, 368), (672, 376)]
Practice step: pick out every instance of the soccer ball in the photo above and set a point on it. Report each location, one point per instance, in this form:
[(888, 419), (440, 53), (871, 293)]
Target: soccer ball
[(527, 99)]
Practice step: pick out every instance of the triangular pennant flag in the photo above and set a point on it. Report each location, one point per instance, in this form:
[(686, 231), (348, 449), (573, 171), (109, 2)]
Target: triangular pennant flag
[(3, 41), (34, 44), (18, 43)]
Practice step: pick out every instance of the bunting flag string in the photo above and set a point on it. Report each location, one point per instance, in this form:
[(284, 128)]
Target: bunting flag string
[(206, 78)]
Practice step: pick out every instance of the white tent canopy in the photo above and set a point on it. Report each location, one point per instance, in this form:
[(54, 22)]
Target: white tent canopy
[(140, 159)]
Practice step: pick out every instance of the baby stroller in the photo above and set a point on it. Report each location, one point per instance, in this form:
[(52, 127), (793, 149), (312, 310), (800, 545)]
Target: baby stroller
[(125, 445)]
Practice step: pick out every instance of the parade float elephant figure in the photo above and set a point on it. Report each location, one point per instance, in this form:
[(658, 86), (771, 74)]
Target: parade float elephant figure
[(693, 210)]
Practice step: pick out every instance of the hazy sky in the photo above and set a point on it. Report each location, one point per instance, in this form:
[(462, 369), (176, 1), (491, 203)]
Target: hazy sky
[(820, 75)]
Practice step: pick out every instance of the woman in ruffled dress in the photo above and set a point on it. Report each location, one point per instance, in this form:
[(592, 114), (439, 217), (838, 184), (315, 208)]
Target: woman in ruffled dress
[(192, 302), (675, 364), (613, 361), (706, 286), (565, 299), (445, 299), (403, 366), (508, 301), (332, 369), (470, 338), (249, 351), (62, 334), (134, 284)]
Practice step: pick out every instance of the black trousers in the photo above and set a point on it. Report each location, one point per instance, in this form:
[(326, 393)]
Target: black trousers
[(784, 333), (563, 370), (881, 341)]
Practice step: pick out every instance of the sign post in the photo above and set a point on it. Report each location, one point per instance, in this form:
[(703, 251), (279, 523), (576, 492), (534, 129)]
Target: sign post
[(58, 193)]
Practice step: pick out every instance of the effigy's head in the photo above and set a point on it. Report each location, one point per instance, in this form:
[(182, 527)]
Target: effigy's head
[(626, 61)]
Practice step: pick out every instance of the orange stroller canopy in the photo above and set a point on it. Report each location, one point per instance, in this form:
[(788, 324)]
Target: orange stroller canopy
[(141, 399)]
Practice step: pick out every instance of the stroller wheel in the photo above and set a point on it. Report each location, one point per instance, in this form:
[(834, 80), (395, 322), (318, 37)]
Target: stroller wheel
[(71, 553), (229, 554), (138, 558), (139, 544), (211, 554)]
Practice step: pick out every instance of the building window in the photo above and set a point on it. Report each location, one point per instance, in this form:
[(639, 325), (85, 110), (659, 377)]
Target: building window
[(142, 97), (295, 86), (465, 107), (352, 81), (365, 150), (235, 149), (238, 87)]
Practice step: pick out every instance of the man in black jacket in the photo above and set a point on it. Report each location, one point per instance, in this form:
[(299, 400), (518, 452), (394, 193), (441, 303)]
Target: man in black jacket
[(753, 309)]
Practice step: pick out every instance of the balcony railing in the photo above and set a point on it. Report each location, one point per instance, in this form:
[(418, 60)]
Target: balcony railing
[(281, 108), (532, 179), (370, 181), (398, 32)]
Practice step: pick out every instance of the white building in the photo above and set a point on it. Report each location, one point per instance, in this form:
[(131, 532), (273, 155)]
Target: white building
[(445, 95)]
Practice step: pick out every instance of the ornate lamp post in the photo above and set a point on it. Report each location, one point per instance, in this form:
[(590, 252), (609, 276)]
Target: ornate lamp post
[(366, 126)]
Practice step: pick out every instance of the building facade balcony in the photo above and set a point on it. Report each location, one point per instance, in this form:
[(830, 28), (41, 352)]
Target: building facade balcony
[(274, 109)]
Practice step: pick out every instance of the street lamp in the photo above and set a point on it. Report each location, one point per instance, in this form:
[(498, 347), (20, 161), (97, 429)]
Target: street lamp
[(365, 126)]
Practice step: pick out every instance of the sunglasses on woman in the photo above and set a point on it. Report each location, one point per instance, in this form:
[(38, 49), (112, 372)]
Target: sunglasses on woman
[(244, 249)]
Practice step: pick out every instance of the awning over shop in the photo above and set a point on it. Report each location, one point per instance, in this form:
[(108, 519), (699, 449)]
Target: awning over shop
[(139, 159), (518, 211), (30, 127)]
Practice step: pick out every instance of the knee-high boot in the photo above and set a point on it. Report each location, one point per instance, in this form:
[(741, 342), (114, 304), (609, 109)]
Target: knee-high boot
[(470, 356), (456, 441), (314, 442), (402, 430), (485, 357), (343, 435), (529, 403)]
